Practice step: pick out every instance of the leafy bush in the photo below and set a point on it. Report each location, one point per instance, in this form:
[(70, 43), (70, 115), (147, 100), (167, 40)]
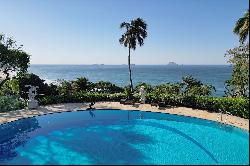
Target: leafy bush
[(12, 58), (34, 80), (190, 93), (148, 88), (235, 106), (10, 87), (192, 86), (80, 84), (188, 87), (106, 87), (81, 97), (168, 88), (65, 88), (9, 103), (238, 85), (52, 89), (83, 85)]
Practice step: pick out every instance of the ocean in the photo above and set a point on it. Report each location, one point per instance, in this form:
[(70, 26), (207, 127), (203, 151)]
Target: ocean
[(215, 75)]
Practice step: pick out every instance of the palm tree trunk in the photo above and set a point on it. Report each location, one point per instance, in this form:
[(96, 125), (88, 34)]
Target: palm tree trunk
[(130, 76)]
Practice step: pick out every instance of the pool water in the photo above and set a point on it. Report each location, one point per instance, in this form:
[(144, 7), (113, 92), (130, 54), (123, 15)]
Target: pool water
[(121, 137)]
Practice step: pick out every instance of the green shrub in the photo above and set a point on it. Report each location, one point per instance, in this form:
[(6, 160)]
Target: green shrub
[(34, 80), (191, 86), (9, 103), (65, 88), (188, 87), (80, 84), (235, 106), (81, 97), (190, 93), (10, 87), (168, 88), (152, 98), (117, 96), (106, 87), (148, 88)]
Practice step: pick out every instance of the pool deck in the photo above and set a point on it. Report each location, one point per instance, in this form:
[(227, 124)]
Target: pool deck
[(42, 110)]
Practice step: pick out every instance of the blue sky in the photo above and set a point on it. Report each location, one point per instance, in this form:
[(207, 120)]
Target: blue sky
[(87, 31)]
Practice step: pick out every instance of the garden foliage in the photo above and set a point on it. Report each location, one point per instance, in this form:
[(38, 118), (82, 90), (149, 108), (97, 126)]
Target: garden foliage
[(187, 93)]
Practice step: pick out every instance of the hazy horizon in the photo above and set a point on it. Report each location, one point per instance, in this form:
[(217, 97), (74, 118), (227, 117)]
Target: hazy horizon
[(87, 31), (131, 64)]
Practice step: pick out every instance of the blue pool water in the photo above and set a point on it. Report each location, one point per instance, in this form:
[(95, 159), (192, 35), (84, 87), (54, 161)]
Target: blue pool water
[(121, 137)]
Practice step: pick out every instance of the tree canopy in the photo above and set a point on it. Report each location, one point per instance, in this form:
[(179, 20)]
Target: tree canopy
[(242, 27), (12, 58), (238, 85), (136, 32)]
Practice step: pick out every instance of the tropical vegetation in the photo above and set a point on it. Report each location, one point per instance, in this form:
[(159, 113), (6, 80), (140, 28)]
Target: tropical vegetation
[(12, 58), (8, 103), (238, 85), (136, 32), (241, 27), (189, 92)]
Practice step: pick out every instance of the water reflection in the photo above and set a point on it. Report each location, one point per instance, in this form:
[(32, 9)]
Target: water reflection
[(15, 134), (135, 115), (128, 114), (97, 144), (104, 137), (91, 113), (141, 115)]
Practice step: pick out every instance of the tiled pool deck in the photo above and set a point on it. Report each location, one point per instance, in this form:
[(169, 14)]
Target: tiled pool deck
[(42, 110)]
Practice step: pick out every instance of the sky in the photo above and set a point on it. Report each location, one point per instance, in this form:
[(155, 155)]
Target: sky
[(87, 31)]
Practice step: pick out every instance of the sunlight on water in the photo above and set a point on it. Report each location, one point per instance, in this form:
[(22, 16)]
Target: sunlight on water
[(111, 138)]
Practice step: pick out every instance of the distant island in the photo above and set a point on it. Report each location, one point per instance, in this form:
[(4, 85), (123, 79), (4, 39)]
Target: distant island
[(172, 64), (98, 64), (127, 64)]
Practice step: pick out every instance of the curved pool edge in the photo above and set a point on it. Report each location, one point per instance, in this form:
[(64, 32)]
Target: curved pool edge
[(66, 131), (233, 121), (176, 115)]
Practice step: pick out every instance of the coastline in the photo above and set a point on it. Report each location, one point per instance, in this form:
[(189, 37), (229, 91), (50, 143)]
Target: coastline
[(151, 74)]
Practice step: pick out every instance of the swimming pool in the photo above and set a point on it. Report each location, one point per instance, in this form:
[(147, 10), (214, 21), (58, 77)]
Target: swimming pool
[(121, 137)]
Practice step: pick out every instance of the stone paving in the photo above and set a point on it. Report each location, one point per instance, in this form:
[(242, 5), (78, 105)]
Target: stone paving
[(42, 110)]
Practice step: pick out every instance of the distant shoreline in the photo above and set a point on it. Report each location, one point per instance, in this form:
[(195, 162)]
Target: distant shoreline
[(151, 74), (132, 65)]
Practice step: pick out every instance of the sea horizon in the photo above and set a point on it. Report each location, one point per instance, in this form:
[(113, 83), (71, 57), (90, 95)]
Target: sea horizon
[(215, 75), (137, 64)]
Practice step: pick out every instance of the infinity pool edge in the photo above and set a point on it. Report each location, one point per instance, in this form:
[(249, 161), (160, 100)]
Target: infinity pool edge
[(69, 107)]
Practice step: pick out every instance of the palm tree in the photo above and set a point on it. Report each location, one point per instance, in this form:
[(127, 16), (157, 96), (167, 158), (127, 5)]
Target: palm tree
[(242, 27), (136, 32)]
